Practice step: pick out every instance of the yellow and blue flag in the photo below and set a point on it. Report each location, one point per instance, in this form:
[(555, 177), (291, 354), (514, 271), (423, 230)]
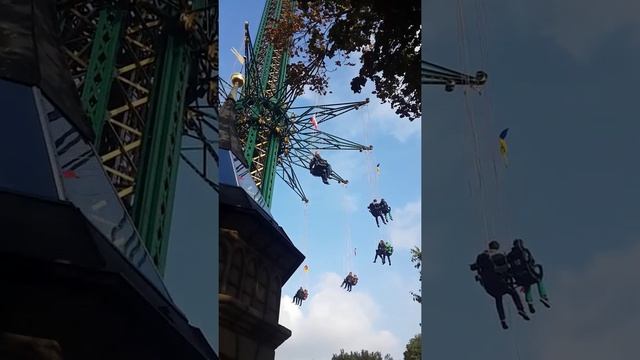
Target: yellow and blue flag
[(503, 145)]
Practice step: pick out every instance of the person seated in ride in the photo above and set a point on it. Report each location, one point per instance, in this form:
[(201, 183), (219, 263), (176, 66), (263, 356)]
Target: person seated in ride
[(493, 274), (320, 167), (380, 251), (350, 281), (297, 298), (526, 273), (374, 209), (388, 251), (305, 294), (354, 281), (347, 280), (386, 209)]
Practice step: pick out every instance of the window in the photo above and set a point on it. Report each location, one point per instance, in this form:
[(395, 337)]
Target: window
[(25, 165), (87, 186)]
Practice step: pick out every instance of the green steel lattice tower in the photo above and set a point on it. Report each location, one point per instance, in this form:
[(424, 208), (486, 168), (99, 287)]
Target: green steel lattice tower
[(275, 135), (143, 70)]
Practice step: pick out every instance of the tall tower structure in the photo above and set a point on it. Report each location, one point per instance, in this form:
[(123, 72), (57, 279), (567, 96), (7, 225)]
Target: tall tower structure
[(262, 140), (146, 72), (262, 136), (277, 137), (76, 276)]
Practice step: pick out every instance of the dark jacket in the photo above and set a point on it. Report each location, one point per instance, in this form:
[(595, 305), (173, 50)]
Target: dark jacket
[(522, 266), (374, 208), (493, 269)]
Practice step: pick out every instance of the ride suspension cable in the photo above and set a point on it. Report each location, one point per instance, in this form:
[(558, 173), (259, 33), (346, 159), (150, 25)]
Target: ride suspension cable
[(501, 195), (372, 177), (372, 169), (305, 243), (470, 115), (348, 241), (472, 127)]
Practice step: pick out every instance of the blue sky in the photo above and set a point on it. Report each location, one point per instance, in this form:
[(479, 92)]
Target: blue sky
[(562, 76), (379, 314)]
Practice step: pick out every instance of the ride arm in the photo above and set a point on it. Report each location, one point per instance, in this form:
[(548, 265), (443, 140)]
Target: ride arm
[(288, 175), (433, 74)]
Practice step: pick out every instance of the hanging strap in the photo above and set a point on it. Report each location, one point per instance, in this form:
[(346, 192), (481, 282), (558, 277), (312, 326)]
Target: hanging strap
[(305, 241), (373, 171), (471, 118), (349, 248)]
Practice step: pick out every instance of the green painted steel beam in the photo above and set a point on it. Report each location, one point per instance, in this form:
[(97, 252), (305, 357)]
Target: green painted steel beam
[(252, 136), (157, 177), (96, 90), (269, 174), (272, 12), (264, 20), (250, 145), (273, 149)]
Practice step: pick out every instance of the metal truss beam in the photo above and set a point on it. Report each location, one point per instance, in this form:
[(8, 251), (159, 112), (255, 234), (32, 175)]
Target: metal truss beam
[(113, 61), (99, 78), (157, 177), (433, 74)]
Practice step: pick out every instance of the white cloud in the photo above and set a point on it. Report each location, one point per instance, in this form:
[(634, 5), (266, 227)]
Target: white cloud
[(404, 231), (386, 120), (310, 97), (581, 27), (333, 319), (350, 203), (595, 314), (376, 118)]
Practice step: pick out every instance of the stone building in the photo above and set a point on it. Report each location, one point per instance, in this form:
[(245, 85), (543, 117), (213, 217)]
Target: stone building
[(256, 260)]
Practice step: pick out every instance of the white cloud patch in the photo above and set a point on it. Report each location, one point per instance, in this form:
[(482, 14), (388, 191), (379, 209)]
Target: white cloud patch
[(404, 231), (595, 310), (330, 320), (386, 120), (376, 118), (310, 97), (581, 26), (350, 203)]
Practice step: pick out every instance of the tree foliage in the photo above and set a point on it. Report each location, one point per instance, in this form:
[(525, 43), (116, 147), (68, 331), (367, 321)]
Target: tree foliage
[(414, 348), (323, 35), (361, 355), (416, 259)]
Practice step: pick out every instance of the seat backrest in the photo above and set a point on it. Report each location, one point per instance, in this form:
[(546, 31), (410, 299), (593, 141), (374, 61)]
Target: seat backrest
[(521, 262), (516, 261), (500, 263)]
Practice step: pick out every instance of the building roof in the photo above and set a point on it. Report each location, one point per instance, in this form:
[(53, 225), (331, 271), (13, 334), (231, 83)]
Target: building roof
[(240, 212), (62, 278)]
